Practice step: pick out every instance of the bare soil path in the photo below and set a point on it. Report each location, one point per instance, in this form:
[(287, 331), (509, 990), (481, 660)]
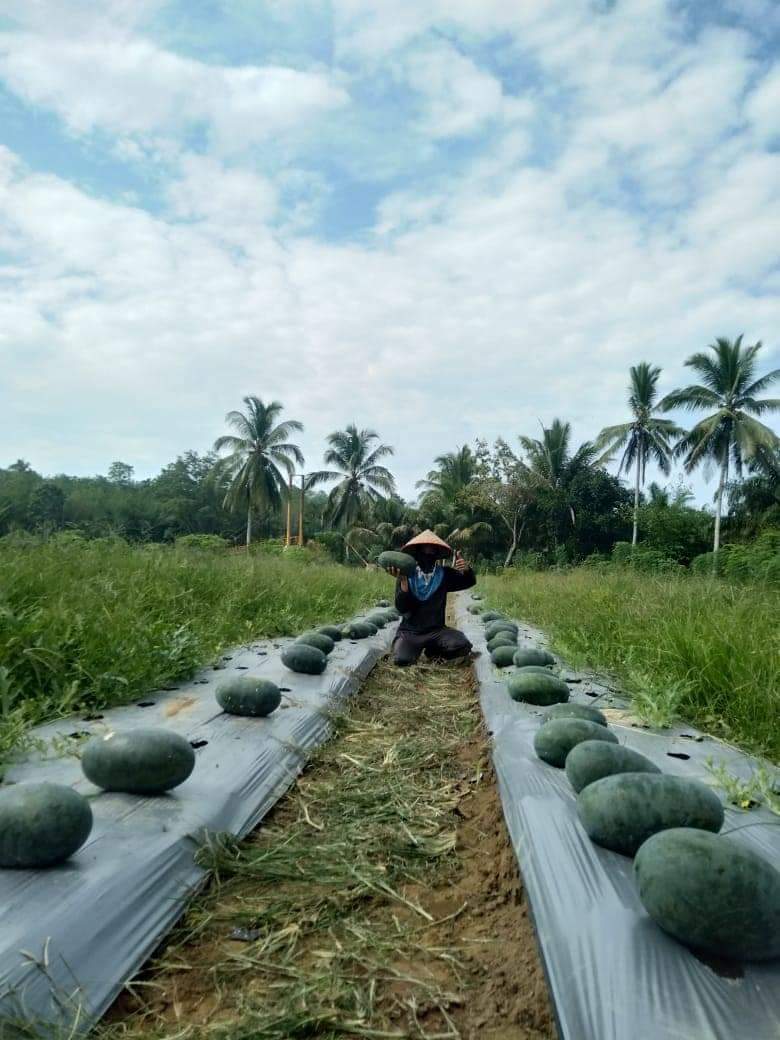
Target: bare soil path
[(380, 899)]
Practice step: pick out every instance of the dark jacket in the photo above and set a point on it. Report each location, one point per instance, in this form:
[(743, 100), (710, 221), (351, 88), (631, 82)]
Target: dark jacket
[(423, 616)]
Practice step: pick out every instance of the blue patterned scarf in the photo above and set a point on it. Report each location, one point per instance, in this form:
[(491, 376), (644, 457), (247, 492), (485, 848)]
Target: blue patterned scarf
[(424, 585)]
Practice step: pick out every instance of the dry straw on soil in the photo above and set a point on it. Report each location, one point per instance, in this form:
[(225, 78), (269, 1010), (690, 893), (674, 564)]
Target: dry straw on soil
[(380, 899)]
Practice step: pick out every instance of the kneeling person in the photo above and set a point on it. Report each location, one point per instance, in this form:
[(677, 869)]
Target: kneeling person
[(422, 601)]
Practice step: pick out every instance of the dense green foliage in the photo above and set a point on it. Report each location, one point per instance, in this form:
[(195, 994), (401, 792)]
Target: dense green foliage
[(84, 625), (702, 648)]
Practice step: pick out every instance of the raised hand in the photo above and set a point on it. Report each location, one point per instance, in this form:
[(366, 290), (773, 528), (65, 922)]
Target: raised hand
[(394, 571), (460, 564)]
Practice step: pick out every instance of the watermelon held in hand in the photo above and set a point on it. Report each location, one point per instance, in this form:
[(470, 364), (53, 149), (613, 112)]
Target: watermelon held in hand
[(575, 711), (621, 812), (533, 655), (711, 893), (318, 640), (555, 739), (592, 760), (248, 696), (502, 656), (535, 688), (400, 561), (332, 631), (138, 761), (41, 824), (300, 657)]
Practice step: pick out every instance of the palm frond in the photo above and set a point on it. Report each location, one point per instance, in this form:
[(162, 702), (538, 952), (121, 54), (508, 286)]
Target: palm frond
[(691, 398)]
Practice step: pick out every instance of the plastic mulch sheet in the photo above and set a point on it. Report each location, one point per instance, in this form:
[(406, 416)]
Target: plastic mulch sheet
[(71, 936), (613, 974)]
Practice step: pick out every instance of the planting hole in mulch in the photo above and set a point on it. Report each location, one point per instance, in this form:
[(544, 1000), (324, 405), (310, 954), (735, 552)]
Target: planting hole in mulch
[(381, 896)]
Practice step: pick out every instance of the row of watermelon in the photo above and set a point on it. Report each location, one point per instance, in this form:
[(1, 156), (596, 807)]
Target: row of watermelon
[(42, 824), (705, 889)]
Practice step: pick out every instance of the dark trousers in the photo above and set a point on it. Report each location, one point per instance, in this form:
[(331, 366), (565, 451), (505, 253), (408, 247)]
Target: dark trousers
[(446, 643)]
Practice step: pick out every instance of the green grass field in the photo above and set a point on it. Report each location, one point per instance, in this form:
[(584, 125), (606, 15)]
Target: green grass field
[(88, 625), (699, 648)]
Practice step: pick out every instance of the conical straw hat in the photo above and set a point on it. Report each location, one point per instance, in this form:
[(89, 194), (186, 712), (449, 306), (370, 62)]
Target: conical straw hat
[(427, 538)]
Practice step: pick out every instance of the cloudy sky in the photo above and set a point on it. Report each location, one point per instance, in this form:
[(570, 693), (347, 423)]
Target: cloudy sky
[(438, 218)]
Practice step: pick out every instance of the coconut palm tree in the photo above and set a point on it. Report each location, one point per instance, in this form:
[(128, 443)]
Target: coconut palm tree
[(729, 435), (259, 451), (454, 471), (362, 480), (645, 437), (551, 468)]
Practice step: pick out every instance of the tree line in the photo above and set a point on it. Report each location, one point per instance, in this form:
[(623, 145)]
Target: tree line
[(549, 500)]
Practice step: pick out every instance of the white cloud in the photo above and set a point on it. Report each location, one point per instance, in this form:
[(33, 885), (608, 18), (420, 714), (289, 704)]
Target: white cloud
[(236, 202), (763, 107), (129, 86), (505, 307), (459, 96), (492, 293)]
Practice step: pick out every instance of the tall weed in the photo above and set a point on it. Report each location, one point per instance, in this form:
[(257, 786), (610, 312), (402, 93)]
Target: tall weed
[(699, 647), (84, 625)]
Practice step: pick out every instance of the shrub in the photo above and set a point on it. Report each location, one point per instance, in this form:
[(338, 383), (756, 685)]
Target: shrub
[(758, 561), (204, 542), (642, 558)]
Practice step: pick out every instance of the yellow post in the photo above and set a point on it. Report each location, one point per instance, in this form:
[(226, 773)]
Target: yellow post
[(300, 514), (288, 534)]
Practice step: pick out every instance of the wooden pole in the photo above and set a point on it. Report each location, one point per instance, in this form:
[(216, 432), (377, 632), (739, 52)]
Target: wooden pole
[(300, 514), (288, 534)]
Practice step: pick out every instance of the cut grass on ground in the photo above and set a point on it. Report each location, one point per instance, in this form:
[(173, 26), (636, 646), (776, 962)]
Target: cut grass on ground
[(380, 899), (84, 626), (700, 648)]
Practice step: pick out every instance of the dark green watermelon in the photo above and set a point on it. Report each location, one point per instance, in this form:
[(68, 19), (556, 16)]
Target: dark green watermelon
[(593, 759), (332, 631), (502, 656), (41, 824), (502, 639), (138, 761), (318, 640), (621, 812), (536, 688), (576, 711), (378, 618), (533, 655), (356, 630), (383, 602), (554, 740), (400, 561), (300, 657), (495, 627), (711, 893), (247, 695), (491, 615)]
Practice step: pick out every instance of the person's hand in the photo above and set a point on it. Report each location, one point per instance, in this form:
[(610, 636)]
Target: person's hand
[(460, 564), (397, 574)]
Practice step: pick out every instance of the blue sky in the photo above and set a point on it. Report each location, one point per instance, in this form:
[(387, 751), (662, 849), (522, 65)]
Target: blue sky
[(442, 220)]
